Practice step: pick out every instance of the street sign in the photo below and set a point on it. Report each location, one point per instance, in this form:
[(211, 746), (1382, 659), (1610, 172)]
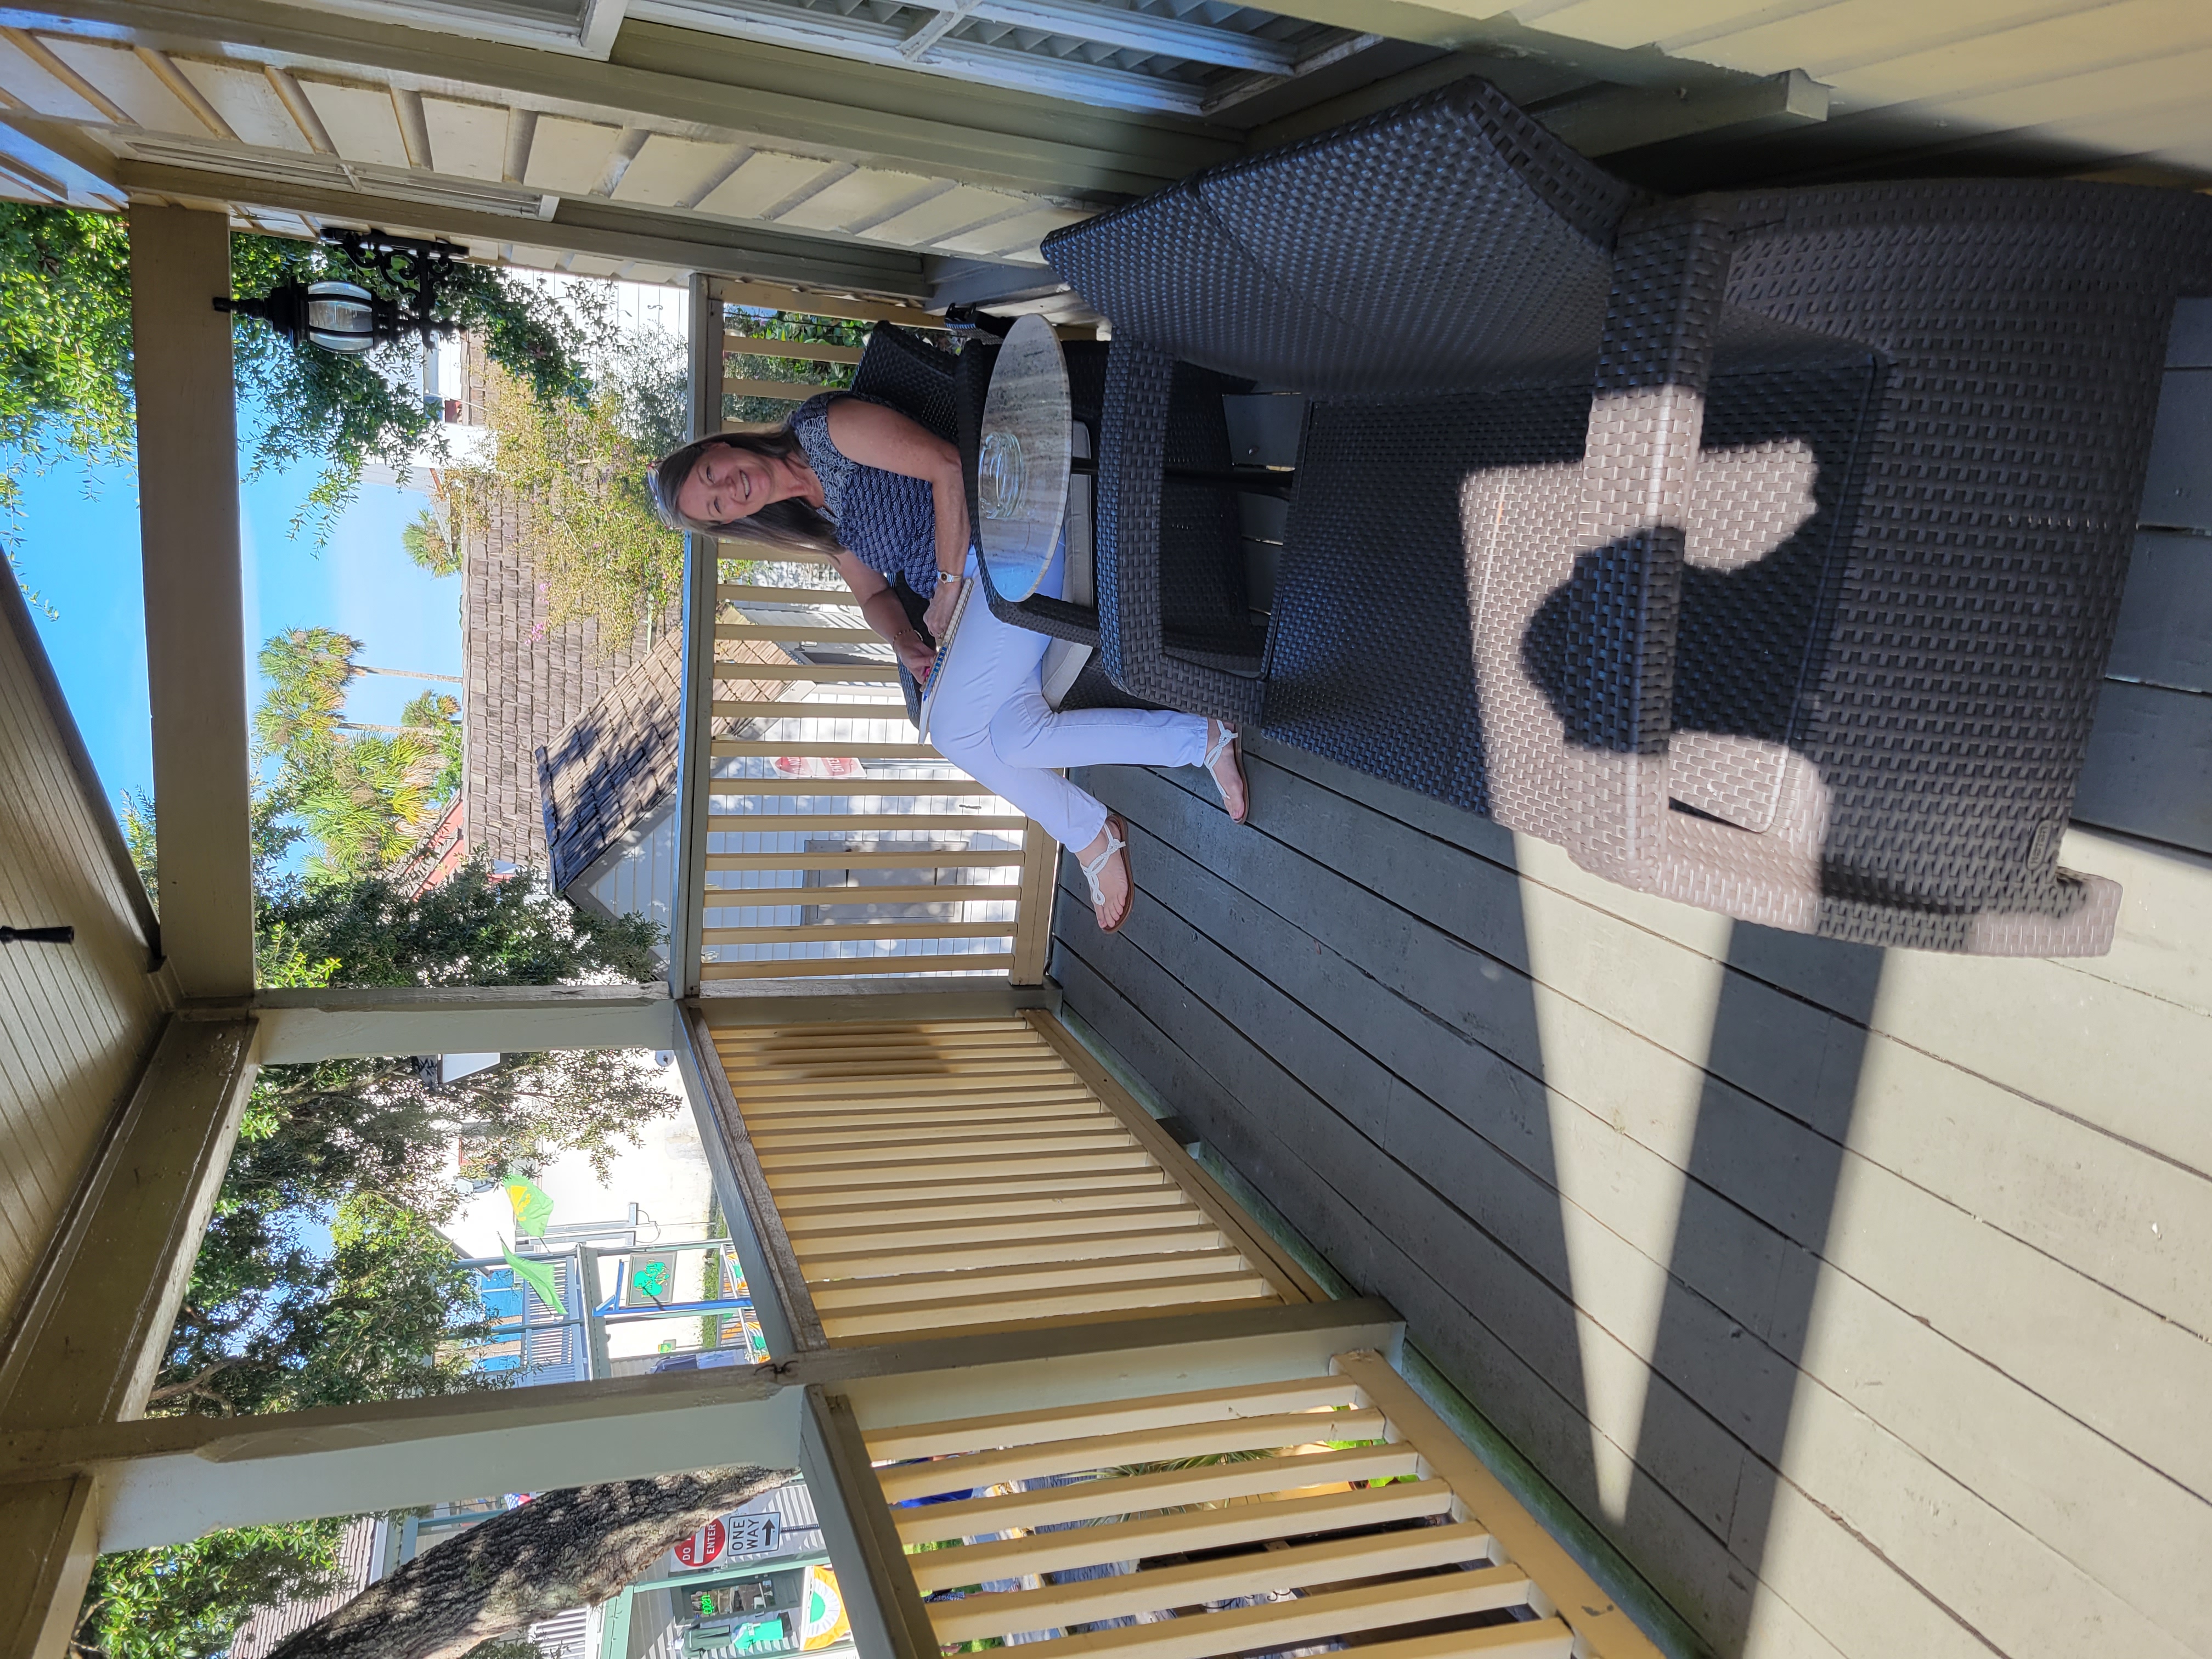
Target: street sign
[(705, 1547)]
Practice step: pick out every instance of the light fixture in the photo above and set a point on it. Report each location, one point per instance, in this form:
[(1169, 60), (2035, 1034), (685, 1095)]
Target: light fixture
[(348, 319)]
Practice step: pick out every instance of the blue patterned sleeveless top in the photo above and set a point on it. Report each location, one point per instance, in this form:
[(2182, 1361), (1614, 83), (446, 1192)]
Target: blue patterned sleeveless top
[(885, 520)]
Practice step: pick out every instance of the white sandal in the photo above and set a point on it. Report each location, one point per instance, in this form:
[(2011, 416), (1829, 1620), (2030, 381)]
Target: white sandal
[(1115, 844), (1214, 751)]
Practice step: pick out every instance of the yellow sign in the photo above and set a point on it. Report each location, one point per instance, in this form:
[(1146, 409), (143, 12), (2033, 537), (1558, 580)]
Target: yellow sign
[(821, 1620)]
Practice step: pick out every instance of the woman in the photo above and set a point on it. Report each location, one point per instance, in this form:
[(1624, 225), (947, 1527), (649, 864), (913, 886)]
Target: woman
[(855, 478)]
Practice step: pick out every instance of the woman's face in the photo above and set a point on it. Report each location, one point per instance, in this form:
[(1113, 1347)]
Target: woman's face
[(730, 483)]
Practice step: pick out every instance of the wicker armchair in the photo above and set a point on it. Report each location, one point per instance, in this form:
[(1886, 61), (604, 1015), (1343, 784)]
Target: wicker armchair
[(1763, 550)]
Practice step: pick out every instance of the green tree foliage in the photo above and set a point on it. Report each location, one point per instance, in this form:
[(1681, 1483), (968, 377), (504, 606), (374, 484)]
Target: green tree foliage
[(270, 1325), (471, 929), (65, 339), (440, 712), (770, 325), (363, 796), (576, 472), (426, 541), (187, 1600)]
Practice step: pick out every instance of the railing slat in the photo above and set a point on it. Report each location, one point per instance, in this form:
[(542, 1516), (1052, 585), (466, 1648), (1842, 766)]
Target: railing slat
[(858, 1290), (1136, 1298), (819, 673), (790, 391), (1163, 1443), (893, 1172), (805, 748), (1121, 1248), (953, 1145), (823, 967), (767, 345), (1176, 1533), (921, 858), (740, 823), (826, 897), (739, 592), (1307, 1619), (1117, 1496), (1334, 1560), (947, 1235), (811, 933), (795, 631), (725, 709), (1076, 1118), (967, 1434)]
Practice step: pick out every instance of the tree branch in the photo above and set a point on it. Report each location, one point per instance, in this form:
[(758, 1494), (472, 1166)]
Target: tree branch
[(561, 1550)]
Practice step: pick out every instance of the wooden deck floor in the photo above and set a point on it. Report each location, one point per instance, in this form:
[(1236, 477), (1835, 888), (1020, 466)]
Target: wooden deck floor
[(1861, 1298)]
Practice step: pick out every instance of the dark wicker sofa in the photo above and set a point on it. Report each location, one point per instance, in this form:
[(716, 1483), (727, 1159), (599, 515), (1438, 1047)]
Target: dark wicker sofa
[(1761, 549)]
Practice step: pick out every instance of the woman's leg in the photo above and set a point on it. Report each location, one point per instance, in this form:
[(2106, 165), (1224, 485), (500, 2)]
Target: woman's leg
[(992, 710)]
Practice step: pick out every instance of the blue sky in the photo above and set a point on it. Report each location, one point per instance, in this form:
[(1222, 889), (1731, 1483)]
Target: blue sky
[(79, 548)]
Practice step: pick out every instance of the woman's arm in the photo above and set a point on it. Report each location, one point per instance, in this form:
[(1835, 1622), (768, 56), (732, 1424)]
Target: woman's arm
[(876, 436), (884, 612)]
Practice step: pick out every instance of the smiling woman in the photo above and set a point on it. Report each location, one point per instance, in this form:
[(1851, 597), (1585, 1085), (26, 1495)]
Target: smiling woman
[(883, 495)]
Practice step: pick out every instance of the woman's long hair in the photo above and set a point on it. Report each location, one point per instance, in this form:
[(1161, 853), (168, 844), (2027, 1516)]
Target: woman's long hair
[(790, 525)]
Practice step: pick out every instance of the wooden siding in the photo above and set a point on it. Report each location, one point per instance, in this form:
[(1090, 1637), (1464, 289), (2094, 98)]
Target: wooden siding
[(75, 1020), (1860, 1298)]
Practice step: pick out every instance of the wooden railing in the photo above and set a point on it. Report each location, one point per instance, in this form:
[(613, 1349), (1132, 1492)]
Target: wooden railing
[(1287, 1512), (837, 843), (963, 1176)]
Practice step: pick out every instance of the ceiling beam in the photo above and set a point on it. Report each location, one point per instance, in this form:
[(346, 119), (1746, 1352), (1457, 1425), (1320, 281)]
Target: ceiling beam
[(778, 97), (757, 254), (195, 612)]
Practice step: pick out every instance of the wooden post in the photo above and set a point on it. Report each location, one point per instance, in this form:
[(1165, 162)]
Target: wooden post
[(195, 619), (695, 727), (1033, 912)]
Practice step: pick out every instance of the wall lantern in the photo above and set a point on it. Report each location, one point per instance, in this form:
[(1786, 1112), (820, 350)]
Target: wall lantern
[(349, 318)]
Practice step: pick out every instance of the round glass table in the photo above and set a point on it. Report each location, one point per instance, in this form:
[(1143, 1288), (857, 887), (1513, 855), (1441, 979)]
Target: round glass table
[(1023, 463)]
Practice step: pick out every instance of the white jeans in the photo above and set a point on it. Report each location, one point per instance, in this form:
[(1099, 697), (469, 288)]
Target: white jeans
[(991, 721)]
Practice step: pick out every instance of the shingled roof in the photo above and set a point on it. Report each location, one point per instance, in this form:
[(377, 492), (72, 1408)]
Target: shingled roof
[(602, 776), (528, 679)]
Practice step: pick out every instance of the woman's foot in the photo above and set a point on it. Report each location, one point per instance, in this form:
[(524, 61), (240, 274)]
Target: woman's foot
[(1106, 866), (1225, 759)]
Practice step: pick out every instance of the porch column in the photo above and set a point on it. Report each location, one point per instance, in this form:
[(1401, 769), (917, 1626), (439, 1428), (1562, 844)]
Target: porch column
[(195, 620)]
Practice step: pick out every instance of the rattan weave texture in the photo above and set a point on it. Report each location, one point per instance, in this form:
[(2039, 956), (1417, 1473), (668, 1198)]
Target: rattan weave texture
[(1762, 549)]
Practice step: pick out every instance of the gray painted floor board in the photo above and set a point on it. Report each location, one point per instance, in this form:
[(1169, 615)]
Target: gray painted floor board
[(1850, 1348)]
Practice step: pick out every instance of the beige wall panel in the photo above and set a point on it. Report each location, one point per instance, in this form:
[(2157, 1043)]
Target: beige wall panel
[(2146, 91), (466, 139), (117, 72), (1847, 33), (666, 276), (1016, 238), (566, 157), (669, 170), (2020, 58), (1634, 22), (595, 265), (24, 80), (75, 1019), (242, 96), (538, 258), (860, 195), (942, 214), (765, 179), (362, 123)]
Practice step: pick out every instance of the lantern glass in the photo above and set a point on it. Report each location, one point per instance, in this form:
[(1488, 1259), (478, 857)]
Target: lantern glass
[(340, 318)]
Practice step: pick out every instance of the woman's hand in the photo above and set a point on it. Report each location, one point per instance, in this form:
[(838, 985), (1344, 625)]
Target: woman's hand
[(917, 657), (939, 616)]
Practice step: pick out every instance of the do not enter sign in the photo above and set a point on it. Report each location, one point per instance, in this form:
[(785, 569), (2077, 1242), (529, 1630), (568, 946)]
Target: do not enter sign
[(705, 1547)]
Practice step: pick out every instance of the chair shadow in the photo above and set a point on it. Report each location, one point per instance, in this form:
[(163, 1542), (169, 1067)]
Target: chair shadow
[(1745, 1156)]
